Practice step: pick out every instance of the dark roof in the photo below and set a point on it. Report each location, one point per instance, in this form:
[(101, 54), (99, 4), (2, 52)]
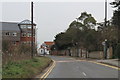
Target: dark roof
[(9, 26)]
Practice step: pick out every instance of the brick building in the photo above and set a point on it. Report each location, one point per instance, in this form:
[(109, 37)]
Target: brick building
[(25, 32), (18, 33)]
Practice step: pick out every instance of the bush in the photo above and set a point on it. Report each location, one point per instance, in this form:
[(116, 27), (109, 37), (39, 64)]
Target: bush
[(13, 52), (25, 68), (24, 48), (5, 45), (117, 51)]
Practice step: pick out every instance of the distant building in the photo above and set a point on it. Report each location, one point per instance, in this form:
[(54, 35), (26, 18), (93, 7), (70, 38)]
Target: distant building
[(48, 44), (45, 48), (41, 50), (18, 33), (10, 32), (25, 32)]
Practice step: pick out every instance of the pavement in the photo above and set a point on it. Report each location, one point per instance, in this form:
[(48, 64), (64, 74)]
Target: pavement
[(113, 62), (67, 67)]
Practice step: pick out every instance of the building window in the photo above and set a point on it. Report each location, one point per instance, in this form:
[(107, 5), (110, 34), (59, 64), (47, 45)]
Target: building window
[(23, 34), (7, 33), (14, 34), (29, 42), (29, 34), (29, 26), (23, 26), (24, 42)]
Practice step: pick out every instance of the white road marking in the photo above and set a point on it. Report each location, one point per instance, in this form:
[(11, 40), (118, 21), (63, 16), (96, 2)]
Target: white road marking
[(84, 74)]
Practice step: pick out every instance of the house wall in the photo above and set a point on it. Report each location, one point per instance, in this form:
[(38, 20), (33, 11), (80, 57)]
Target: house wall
[(96, 54), (27, 39), (40, 51), (11, 37)]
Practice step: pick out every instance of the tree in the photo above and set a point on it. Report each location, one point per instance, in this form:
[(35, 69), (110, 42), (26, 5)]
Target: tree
[(63, 40), (116, 18), (77, 32), (87, 20), (117, 51), (116, 14)]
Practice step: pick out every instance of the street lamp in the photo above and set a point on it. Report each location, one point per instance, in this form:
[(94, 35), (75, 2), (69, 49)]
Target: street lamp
[(105, 42), (105, 48), (105, 13), (69, 51)]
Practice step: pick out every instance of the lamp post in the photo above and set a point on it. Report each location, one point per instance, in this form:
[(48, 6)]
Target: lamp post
[(69, 51), (105, 13), (105, 42), (105, 48)]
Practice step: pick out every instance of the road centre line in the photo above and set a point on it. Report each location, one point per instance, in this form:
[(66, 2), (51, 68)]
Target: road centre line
[(54, 63), (84, 73)]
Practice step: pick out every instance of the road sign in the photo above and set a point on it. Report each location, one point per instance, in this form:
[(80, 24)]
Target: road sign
[(103, 43)]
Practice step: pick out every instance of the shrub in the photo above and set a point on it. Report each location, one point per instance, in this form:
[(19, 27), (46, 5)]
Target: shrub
[(5, 45), (117, 51)]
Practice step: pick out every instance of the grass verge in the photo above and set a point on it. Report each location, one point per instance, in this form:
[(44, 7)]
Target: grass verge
[(25, 68)]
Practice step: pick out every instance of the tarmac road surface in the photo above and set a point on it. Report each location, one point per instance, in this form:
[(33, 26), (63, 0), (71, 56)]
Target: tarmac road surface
[(67, 67)]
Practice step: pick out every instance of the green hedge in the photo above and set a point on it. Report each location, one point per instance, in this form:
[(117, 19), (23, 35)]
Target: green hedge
[(117, 51)]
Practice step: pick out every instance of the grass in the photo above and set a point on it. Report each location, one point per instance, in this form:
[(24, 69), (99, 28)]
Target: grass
[(25, 68)]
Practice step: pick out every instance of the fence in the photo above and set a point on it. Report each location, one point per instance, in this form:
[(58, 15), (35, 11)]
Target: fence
[(96, 55), (82, 53)]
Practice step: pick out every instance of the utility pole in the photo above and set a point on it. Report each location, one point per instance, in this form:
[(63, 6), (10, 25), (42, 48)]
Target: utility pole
[(105, 13), (105, 46), (32, 30)]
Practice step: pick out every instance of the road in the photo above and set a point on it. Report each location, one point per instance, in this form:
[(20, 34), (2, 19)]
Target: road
[(67, 67)]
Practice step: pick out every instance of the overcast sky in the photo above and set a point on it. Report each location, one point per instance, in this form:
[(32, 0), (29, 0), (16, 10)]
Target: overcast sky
[(52, 17)]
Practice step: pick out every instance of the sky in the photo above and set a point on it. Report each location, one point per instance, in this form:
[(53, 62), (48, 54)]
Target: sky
[(52, 17)]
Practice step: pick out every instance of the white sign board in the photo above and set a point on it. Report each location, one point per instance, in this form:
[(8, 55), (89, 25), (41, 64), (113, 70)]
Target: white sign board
[(103, 43)]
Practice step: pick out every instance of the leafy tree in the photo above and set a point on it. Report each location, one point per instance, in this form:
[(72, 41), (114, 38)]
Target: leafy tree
[(87, 20), (77, 32), (116, 14), (62, 40), (91, 40)]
